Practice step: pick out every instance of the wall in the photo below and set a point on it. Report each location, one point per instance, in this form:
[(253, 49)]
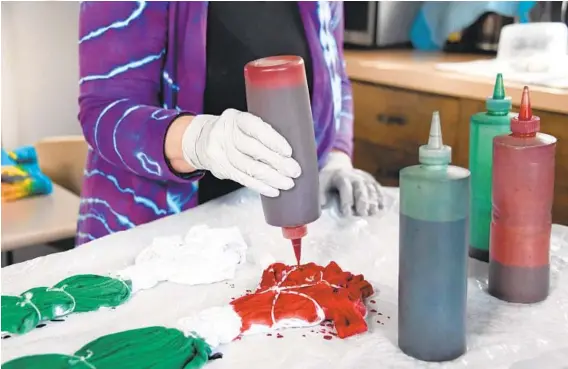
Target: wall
[(39, 71), (39, 79)]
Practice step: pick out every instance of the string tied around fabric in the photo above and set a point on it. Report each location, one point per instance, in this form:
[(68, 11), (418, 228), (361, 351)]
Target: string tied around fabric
[(75, 294)]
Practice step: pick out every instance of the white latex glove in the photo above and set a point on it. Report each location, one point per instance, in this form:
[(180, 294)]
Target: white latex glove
[(243, 148), (359, 193)]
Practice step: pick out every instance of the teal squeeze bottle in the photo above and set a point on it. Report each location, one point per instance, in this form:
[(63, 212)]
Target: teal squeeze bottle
[(432, 280), (483, 128)]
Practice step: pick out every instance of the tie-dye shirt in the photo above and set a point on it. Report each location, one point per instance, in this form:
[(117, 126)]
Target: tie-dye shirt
[(142, 64)]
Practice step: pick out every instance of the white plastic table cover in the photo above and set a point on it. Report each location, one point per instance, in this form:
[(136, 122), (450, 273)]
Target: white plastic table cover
[(500, 335)]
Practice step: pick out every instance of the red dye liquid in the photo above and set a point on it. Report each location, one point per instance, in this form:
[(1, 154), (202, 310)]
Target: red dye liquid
[(327, 337), (523, 193), (279, 335), (308, 292)]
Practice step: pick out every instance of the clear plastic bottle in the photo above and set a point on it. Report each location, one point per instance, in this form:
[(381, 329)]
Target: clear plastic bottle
[(277, 92), (432, 283), (484, 127), (523, 191)]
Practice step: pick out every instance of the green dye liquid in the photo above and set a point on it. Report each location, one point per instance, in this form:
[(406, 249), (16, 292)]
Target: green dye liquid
[(76, 294), (483, 128), (145, 348)]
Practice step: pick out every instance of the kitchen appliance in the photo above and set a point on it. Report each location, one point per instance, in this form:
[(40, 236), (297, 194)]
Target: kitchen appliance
[(376, 24)]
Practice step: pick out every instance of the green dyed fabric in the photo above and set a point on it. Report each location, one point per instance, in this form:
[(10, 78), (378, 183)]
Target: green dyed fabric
[(145, 348), (80, 293)]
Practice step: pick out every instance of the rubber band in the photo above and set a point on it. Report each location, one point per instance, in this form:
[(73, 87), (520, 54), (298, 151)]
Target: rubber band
[(125, 284), (62, 289), (27, 300), (83, 359)]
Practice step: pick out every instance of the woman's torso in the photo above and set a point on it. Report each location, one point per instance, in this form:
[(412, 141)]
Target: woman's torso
[(190, 82)]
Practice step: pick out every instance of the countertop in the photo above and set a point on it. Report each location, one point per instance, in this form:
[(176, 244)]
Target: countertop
[(500, 335), (414, 70)]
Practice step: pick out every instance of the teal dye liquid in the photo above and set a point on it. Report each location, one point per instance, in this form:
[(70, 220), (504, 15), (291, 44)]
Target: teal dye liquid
[(432, 288)]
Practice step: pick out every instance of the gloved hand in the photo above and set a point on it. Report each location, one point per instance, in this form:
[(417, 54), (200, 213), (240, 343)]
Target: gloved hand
[(243, 148), (359, 193)]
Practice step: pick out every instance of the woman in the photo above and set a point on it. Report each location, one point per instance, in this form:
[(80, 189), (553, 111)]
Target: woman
[(162, 106)]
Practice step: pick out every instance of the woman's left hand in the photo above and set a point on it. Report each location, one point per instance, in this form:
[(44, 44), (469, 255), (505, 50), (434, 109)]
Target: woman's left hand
[(359, 193)]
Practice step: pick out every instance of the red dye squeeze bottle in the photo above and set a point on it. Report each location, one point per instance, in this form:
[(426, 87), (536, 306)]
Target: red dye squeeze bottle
[(523, 191), (277, 92)]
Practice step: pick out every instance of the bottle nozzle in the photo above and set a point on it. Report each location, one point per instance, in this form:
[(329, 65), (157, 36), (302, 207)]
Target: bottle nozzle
[(499, 103), (499, 89), (525, 111), (525, 124), (435, 152), (435, 138)]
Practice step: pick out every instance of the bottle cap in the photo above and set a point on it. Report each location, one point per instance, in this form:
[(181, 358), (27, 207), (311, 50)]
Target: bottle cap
[(435, 152), (276, 72), (498, 103), (525, 123), (294, 233)]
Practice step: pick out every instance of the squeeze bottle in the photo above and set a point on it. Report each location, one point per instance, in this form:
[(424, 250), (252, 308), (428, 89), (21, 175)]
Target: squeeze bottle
[(523, 191), (432, 280), (483, 128), (277, 92)]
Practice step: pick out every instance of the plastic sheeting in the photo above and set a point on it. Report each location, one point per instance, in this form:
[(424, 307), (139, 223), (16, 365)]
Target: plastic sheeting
[(500, 335)]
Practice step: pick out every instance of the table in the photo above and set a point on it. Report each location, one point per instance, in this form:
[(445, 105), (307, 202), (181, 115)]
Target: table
[(499, 335), (39, 219)]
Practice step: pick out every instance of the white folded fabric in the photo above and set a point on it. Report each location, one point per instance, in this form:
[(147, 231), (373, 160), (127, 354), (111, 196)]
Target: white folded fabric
[(205, 255)]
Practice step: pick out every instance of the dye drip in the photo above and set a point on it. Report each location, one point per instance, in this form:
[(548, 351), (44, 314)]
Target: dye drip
[(434, 207), (485, 126), (297, 245), (277, 92), (521, 225)]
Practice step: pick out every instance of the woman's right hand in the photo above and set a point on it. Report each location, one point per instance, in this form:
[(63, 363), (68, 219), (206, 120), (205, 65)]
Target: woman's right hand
[(241, 147)]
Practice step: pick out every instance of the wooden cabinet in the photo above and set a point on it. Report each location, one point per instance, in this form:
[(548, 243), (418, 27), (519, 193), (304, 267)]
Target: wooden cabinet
[(391, 123)]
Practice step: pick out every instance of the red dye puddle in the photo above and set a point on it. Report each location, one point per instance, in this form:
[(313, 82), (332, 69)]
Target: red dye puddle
[(289, 292), (373, 302), (326, 337), (279, 335), (373, 311)]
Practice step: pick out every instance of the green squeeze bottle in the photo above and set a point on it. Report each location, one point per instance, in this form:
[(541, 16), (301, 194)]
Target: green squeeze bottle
[(483, 128)]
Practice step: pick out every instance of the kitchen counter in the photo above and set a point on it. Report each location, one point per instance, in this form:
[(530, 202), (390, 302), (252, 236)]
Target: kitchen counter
[(395, 93), (416, 71)]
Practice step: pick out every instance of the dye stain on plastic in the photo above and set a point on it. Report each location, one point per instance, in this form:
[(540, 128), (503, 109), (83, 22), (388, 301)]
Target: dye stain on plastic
[(484, 127), (523, 191), (434, 209)]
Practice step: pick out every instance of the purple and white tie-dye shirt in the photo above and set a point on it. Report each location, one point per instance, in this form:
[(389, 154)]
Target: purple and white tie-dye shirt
[(141, 65)]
